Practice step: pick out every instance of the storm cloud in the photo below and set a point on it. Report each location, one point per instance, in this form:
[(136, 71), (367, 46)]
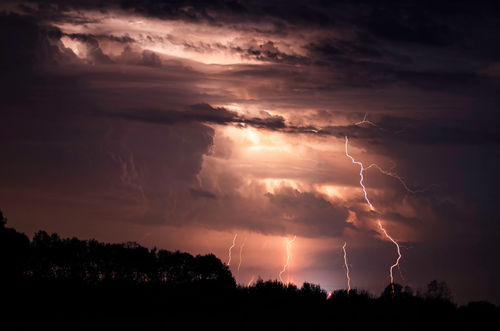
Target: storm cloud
[(124, 118)]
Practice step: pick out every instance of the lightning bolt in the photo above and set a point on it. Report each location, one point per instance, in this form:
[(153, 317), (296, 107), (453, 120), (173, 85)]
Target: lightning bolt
[(361, 169), (399, 253), (230, 248), (385, 172), (393, 175), (396, 264), (346, 269), (251, 280), (241, 250), (288, 246), (365, 121)]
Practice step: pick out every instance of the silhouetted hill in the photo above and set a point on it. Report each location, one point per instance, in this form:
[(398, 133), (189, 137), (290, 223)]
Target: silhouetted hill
[(49, 283)]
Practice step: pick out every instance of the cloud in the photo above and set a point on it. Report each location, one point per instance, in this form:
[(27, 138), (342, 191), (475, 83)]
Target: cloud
[(312, 212), (202, 113), (202, 194), (405, 130), (232, 116), (90, 37)]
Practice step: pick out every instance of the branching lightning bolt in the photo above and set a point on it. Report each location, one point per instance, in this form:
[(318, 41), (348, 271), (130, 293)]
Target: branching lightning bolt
[(288, 245), (371, 206), (365, 121), (386, 172), (346, 269), (394, 175), (230, 248), (399, 253), (361, 169)]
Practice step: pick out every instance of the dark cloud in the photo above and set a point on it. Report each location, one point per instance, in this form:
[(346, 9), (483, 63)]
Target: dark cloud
[(317, 215), (202, 194), (414, 131), (145, 58), (268, 52), (404, 130), (91, 37), (202, 113), (408, 22), (422, 45), (85, 160), (23, 48)]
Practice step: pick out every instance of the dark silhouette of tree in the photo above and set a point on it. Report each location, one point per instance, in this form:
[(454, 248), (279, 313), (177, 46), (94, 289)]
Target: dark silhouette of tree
[(438, 291), (93, 262), (3, 220), (312, 292), (392, 291), (209, 268), (14, 251)]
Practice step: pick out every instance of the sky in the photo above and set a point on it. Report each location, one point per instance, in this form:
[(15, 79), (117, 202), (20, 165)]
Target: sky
[(181, 124)]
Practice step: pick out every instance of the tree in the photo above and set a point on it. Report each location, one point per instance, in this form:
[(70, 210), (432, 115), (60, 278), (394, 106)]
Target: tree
[(392, 291), (312, 292), (3, 220), (438, 291), (14, 250)]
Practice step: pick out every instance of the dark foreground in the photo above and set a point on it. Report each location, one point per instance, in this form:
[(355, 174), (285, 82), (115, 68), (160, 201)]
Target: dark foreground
[(49, 283)]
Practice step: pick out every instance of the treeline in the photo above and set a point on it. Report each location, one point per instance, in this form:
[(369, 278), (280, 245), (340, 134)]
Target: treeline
[(48, 257), (59, 284)]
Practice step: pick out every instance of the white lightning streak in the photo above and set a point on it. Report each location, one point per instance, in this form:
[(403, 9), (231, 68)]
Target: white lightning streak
[(361, 169), (399, 252), (288, 244), (365, 121), (251, 280), (379, 223), (393, 175), (230, 248), (347, 269)]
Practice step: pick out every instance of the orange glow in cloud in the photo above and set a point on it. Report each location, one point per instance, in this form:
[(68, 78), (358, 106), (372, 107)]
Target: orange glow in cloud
[(77, 47), (191, 41), (272, 184)]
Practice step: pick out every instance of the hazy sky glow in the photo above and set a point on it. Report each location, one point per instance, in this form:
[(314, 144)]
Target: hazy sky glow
[(178, 125)]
